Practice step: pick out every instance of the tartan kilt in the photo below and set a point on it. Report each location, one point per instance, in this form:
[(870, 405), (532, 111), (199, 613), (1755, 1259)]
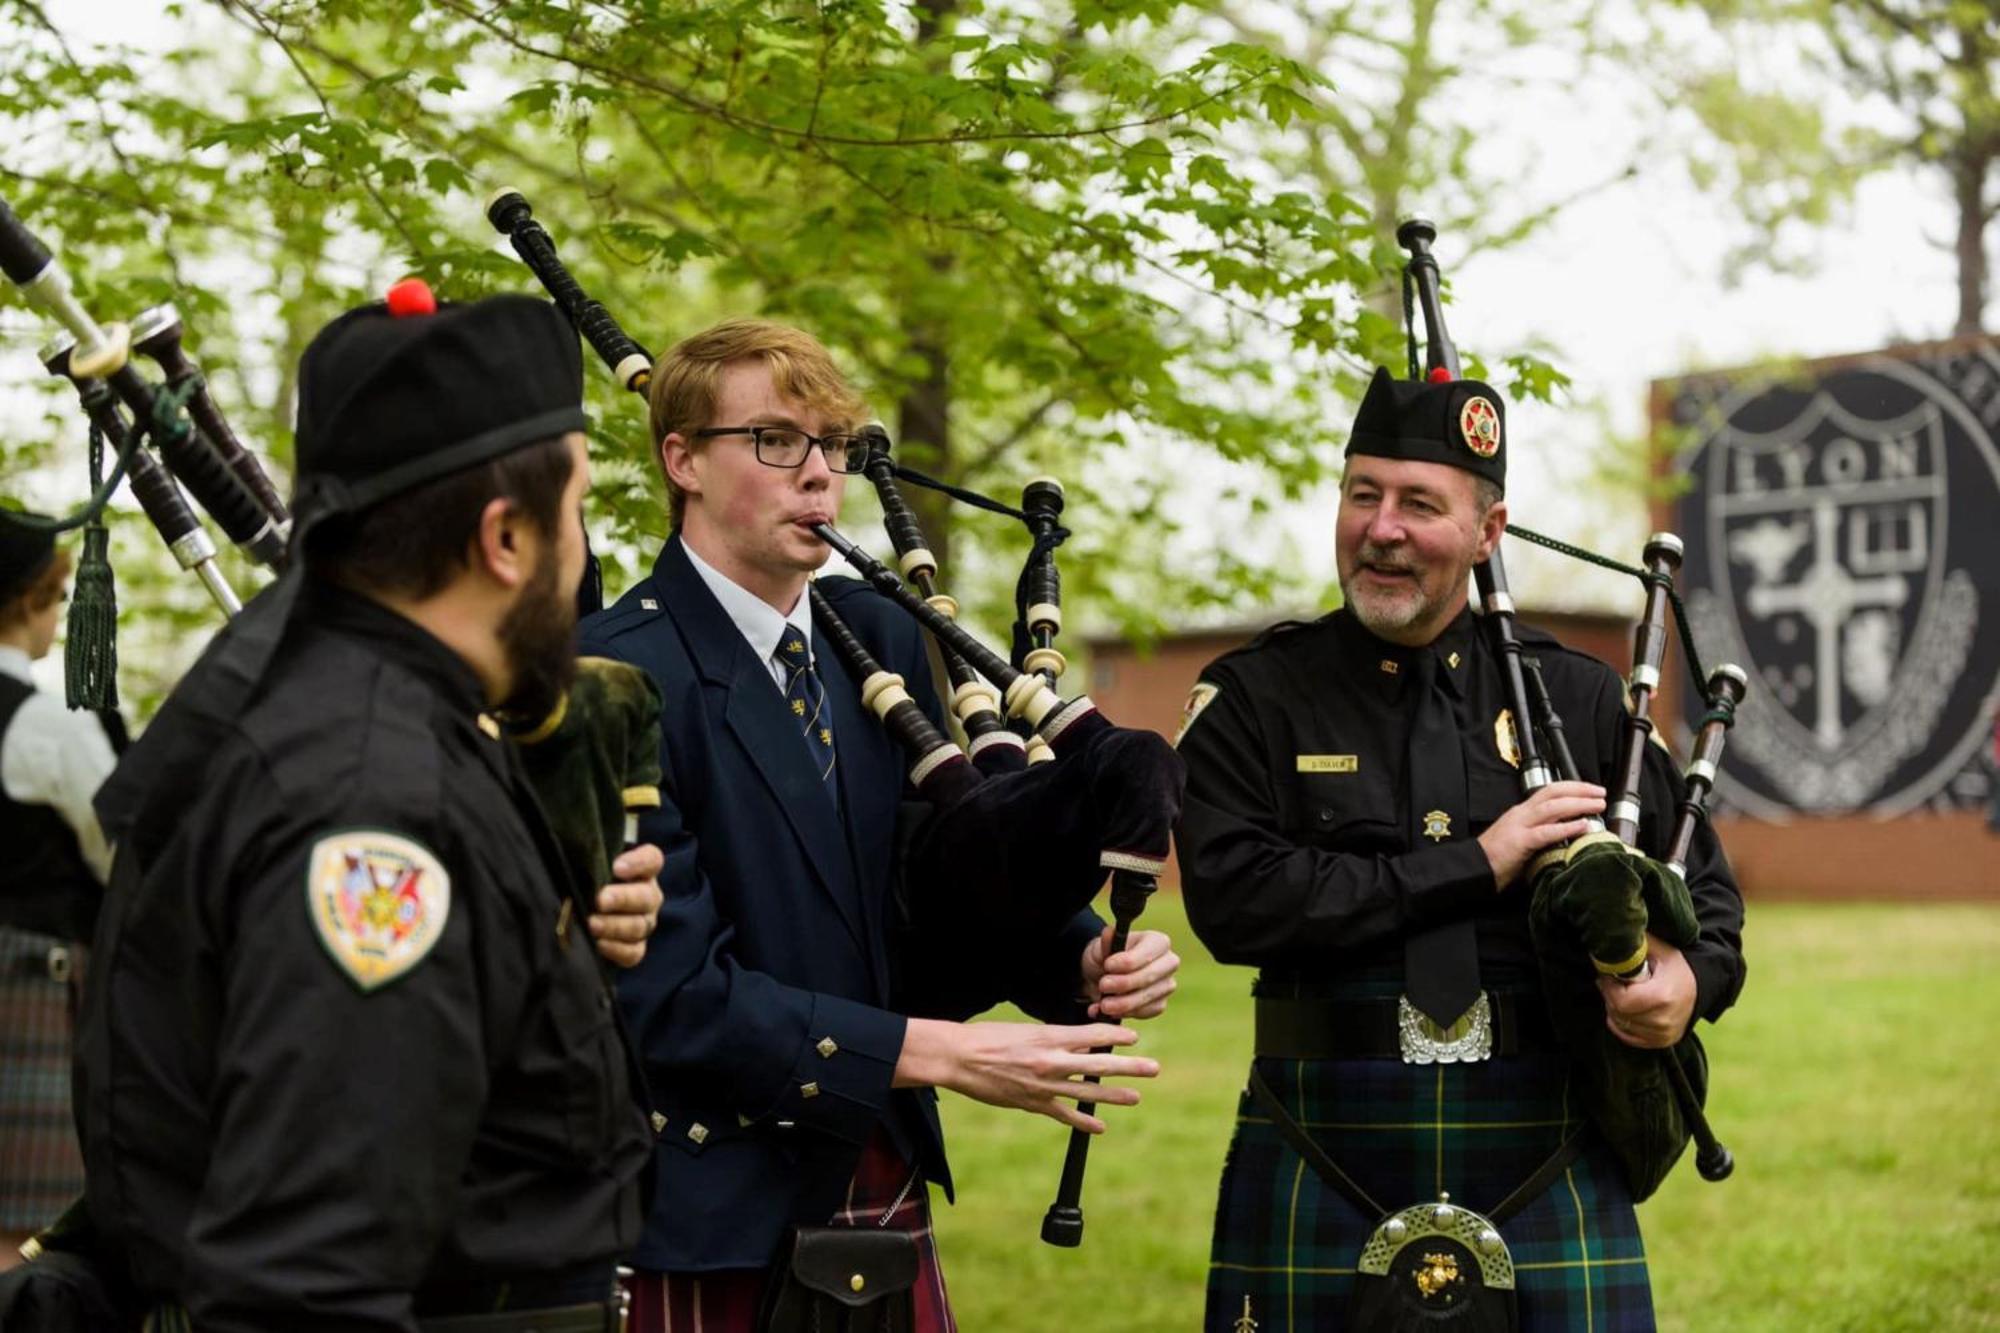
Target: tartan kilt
[(1288, 1243), (41, 1164)]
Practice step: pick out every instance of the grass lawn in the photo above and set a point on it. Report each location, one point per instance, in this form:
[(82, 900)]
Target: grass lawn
[(1856, 1083)]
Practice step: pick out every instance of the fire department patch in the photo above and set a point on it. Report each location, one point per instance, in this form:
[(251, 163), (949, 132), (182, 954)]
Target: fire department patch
[(379, 902), (1479, 423), (1198, 698)]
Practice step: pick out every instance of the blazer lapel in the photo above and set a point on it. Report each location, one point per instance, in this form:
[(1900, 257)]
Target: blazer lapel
[(755, 714), (869, 800)]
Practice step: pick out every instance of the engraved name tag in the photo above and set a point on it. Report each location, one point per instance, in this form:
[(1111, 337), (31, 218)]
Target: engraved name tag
[(1329, 763)]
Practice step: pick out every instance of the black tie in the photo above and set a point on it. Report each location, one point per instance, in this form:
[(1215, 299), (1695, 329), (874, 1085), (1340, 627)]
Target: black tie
[(1440, 965)]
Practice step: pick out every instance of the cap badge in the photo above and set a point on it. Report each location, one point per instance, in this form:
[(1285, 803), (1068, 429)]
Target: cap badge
[(378, 901), (1479, 422), (1504, 738)]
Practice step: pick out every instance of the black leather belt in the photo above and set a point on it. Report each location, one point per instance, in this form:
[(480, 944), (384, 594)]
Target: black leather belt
[(55, 964), (1367, 1029)]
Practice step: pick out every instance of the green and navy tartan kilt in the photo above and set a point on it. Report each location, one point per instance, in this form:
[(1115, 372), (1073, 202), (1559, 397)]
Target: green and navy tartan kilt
[(41, 1166), (1287, 1243)]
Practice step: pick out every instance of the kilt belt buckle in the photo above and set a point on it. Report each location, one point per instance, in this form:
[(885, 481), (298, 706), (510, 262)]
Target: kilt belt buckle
[(1468, 1040)]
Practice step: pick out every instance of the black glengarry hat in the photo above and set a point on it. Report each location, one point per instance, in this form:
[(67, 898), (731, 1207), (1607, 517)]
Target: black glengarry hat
[(1460, 423), (405, 391), (25, 551)]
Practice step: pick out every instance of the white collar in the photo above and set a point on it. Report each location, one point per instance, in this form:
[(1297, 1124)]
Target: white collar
[(15, 662), (756, 618)]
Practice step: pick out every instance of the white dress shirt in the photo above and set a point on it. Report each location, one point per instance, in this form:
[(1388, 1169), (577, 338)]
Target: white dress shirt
[(58, 758), (756, 618)]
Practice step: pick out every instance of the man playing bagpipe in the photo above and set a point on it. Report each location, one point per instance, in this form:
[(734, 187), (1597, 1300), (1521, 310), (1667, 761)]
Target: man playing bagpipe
[(792, 1027), (349, 1058), (1355, 829)]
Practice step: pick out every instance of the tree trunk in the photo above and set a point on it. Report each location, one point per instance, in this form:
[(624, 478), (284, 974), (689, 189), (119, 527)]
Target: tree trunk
[(1969, 174), (923, 441), (923, 415)]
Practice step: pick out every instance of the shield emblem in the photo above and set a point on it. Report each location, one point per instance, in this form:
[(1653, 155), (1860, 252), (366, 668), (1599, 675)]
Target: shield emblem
[(1830, 567)]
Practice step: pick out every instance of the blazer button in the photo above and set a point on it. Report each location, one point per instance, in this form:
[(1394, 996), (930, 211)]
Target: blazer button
[(827, 1047), (1326, 814)]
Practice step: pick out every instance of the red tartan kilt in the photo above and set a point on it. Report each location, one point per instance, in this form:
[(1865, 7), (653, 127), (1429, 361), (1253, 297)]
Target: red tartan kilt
[(728, 1301), (41, 1166)]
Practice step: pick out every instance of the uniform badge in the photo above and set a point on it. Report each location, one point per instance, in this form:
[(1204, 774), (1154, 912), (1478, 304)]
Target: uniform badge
[(378, 901), (1479, 423), (1437, 825), (1198, 698), (1504, 738)]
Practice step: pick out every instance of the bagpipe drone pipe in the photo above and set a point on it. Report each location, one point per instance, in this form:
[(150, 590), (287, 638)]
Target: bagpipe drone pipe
[(1595, 900), (594, 762), (1000, 851)]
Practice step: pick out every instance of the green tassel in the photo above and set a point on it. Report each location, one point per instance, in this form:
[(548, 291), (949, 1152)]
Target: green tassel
[(90, 655)]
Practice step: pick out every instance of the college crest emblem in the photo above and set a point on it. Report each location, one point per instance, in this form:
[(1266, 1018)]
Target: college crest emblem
[(1479, 423), (1838, 526), (1198, 698), (378, 901)]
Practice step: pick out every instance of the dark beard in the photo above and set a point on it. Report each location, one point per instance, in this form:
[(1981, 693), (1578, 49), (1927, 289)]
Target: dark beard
[(537, 635)]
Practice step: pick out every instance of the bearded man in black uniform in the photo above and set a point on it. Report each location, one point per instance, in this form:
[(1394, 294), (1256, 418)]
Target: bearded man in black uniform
[(349, 1057), (1354, 828)]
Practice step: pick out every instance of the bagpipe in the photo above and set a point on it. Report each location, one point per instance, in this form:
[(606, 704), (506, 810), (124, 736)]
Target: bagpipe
[(1008, 846), (594, 762), (195, 449), (1599, 896)]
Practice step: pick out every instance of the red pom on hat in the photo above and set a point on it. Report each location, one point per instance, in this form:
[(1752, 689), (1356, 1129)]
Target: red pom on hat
[(411, 296), (1438, 375)]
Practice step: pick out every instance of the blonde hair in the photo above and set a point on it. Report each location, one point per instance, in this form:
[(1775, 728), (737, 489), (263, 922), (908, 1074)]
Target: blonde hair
[(687, 380), (45, 588)]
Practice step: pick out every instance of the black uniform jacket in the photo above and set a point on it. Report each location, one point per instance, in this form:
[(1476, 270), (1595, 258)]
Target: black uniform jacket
[(274, 1144), (1295, 844), (770, 1008)]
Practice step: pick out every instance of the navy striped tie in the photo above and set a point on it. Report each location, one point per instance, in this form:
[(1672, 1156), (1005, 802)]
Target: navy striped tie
[(807, 700)]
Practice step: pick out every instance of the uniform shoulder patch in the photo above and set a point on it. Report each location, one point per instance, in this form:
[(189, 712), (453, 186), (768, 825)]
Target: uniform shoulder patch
[(1200, 697), (379, 902)]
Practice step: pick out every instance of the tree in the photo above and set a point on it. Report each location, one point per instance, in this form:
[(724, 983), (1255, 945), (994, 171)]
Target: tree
[(1027, 234), (1931, 68)]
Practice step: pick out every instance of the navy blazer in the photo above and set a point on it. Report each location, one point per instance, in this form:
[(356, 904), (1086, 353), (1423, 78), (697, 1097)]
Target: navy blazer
[(767, 1011)]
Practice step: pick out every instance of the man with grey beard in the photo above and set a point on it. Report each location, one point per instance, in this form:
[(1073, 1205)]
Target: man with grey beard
[(1355, 829)]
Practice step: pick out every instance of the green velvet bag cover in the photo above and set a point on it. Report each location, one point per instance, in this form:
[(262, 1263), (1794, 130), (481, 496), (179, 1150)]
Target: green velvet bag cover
[(1599, 905), (596, 759)]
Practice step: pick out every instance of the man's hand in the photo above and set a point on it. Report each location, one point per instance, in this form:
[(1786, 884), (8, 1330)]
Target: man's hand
[(628, 910), (1553, 814), (1134, 983), (1655, 1011), (1025, 1066)]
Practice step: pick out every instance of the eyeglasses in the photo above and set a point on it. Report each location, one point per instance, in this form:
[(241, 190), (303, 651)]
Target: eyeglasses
[(787, 446)]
